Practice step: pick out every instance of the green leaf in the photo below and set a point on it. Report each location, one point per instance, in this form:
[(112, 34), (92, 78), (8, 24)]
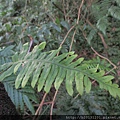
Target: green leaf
[(68, 60), (94, 70), (102, 24), (53, 25), (52, 54), (5, 66), (36, 75), (101, 73), (65, 24), (38, 70), (43, 77), (60, 57), (91, 36), (51, 77), (56, 28), (21, 75), (29, 73), (79, 82), (57, 21), (115, 12), (76, 63), (16, 95), (42, 45), (21, 101), (7, 73), (87, 84), (60, 77), (44, 68), (112, 92), (15, 58), (69, 80), (28, 104), (118, 2), (17, 67), (107, 78)]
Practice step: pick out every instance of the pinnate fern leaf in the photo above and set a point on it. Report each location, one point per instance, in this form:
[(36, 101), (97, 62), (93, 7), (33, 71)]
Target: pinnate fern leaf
[(20, 97), (102, 24), (115, 12), (44, 69), (118, 2)]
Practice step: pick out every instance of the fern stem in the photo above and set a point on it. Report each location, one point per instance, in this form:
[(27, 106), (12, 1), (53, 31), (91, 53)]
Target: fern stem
[(40, 106), (64, 11), (79, 11), (67, 35), (104, 58), (75, 98), (72, 40), (53, 104)]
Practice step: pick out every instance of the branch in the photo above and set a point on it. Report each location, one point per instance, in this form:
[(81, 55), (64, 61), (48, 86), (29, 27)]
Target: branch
[(79, 11), (64, 11), (53, 104), (67, 35), (72, 40), (41, 104), (57, 7), (104, 58)]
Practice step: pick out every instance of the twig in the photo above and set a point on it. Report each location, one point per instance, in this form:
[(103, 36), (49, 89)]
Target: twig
[(79, 11), (67, 35), (40, 105), (75, 97), (47, 103), (63, 2), (104, 58), (114, 66), (111, 70), (93, 82), (72, 40), (57, 7), (103, 41), (53, 104)]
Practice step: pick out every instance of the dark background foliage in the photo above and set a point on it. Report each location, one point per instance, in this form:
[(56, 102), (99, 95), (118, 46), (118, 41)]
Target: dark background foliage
[(49, 21)]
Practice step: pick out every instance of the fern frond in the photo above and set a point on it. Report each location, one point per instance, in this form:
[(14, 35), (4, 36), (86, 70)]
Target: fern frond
[(20, 97), (115, 12), (5, 54), (100, 8), (97, 64), (118, 2), (91, 36), (102, 24), (45, 69)]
